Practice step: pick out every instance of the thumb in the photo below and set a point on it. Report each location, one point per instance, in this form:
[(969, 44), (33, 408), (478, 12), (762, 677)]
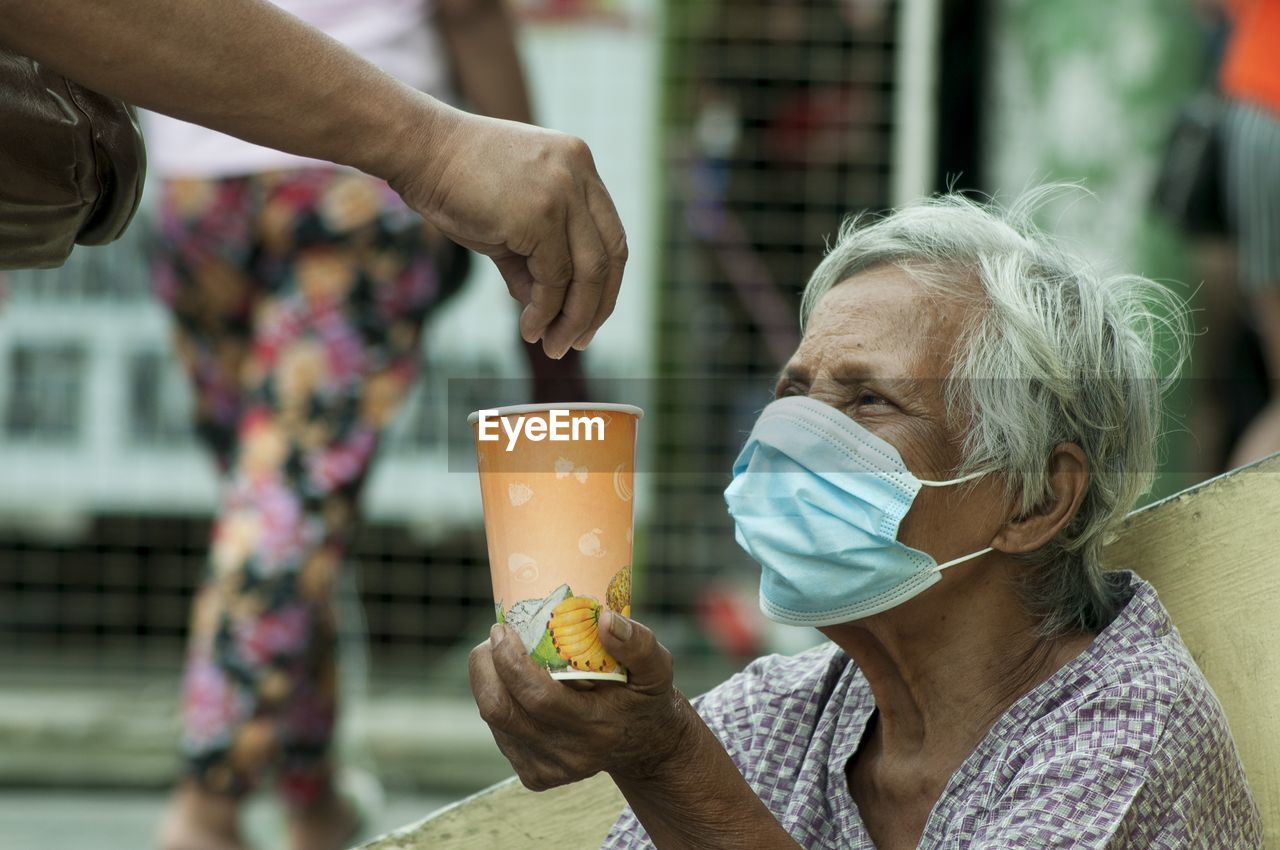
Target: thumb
[(648, 662)]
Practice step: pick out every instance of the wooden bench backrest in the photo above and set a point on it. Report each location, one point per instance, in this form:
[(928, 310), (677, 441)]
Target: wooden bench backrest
[(1213, 554), (507, 815)]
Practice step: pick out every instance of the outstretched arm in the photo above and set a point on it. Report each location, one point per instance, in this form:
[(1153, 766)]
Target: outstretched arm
[(528, 198)]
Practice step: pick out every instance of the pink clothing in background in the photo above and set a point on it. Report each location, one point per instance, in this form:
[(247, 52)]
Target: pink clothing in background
[(398, 36)]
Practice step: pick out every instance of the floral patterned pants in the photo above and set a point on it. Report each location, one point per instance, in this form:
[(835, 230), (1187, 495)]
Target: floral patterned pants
[(298, 299)]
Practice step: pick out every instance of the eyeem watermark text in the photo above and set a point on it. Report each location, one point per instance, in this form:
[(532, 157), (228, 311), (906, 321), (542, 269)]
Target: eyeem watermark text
[(559, 426)]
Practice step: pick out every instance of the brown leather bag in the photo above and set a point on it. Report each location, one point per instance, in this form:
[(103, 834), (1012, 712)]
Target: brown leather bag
[(72, 165)]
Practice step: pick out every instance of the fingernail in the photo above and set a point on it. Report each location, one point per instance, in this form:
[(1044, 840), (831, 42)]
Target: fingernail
[(496, 634), (584, 341), (527, 333), (619, 626)]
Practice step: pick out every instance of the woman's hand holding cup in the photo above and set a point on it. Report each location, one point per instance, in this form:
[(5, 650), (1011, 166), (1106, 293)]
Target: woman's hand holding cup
[(554, 734)]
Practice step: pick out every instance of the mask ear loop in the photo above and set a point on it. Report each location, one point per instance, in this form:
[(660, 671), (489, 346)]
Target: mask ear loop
[(963, 558), (961, 480), (940, 567)]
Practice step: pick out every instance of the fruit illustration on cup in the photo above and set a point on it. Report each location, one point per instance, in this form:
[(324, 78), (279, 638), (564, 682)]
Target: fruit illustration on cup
[(589, 544), (519, 494), (561, 631), (618, 594), (530, 619), (565, 467), (620, 486), (522, 567), (575, 633)]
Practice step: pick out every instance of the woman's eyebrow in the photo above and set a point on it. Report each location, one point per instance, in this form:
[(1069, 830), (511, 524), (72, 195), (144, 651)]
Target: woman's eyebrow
[(794, 373), (867, 367)]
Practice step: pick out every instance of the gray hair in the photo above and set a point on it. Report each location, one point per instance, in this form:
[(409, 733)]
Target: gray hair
[(1057, 353)]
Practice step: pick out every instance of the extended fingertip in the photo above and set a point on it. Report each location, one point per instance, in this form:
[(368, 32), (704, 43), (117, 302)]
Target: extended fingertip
[(531, 330), (496, 634), (584, 341)]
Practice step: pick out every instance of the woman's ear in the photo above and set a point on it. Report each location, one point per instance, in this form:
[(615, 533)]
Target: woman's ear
[(1068, 478)]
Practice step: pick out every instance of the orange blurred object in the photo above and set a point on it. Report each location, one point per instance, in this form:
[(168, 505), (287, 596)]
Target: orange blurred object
[(1251, 69)]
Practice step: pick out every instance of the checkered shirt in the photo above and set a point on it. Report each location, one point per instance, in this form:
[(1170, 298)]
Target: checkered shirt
[(1125, 746)]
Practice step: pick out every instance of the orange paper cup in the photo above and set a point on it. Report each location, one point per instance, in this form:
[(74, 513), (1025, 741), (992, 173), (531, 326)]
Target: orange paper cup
[(557, 483)]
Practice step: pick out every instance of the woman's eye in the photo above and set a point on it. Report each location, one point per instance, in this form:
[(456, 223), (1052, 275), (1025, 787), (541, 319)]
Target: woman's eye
[(866, 398), (788, 389)]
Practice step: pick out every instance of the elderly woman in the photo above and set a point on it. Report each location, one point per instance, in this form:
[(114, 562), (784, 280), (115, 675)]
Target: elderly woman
[(968, 413)]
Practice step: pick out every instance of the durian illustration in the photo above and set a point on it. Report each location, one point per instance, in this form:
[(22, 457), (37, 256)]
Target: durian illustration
[(575, 634), (618, 595), (530, 618)]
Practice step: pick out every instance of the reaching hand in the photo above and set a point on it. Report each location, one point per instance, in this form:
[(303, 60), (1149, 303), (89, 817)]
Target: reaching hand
[(531, 200)]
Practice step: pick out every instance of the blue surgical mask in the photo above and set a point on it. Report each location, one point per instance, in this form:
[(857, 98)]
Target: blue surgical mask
[(817, 499)]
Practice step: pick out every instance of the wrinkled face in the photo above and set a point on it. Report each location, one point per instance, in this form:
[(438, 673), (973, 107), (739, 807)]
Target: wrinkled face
[(878, 347)]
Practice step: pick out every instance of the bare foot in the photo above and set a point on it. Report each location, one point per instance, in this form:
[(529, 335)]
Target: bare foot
[(199, 820), (329, 824)]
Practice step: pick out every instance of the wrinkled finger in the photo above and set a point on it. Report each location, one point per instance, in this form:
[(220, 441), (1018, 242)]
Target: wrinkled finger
[(535, 775), (531, 687), (548, 760), (497, 707), (590, 273), (614, 239), (648, 663), (548, 765), (550, 266), (515, 272), (513, 267), (527, 764)]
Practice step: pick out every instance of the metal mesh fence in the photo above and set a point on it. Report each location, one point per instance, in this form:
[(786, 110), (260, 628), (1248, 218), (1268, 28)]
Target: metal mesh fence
[(779, 124), (778, 120)]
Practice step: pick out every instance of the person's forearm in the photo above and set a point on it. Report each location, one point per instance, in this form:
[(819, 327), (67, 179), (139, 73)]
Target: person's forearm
[(480, 37), (243, 67), (698, 800)]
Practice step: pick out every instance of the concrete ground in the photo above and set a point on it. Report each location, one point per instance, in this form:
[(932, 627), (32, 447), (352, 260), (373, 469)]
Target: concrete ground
[(125, 820), (86, 759), (122, 732), (86, 756)]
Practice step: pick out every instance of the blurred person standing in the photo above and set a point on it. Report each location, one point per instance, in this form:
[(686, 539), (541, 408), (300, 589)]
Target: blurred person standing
[(1251, 79), (299, 290)]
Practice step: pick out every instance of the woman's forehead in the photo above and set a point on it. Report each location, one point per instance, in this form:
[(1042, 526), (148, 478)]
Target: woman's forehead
[(886, 309)]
